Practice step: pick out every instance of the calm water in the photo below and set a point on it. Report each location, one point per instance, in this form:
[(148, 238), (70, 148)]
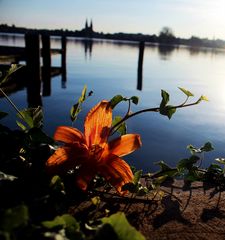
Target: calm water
[(110, 68)]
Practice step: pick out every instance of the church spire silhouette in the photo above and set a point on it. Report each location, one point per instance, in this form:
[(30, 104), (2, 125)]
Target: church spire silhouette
[(88, 29)]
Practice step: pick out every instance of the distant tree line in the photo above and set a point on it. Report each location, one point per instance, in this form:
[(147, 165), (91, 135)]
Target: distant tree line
[(165, 36)]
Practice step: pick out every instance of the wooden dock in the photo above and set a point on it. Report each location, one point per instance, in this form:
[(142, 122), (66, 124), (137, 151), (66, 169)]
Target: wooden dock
[(38, 76)]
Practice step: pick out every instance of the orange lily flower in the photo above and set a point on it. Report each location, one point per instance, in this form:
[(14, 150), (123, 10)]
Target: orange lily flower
[(91, 153)]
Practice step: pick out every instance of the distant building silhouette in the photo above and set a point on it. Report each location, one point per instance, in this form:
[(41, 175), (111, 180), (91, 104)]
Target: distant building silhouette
[(88, 29)]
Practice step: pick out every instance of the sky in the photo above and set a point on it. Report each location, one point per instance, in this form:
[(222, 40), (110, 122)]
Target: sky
[(201, 18)]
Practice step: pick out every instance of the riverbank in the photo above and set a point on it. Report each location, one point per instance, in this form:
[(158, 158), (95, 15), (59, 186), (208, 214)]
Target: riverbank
[(185, 212)]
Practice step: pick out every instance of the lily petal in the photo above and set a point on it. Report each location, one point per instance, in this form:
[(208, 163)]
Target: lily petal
[(124, 145), (67, 157), (68, 135), (56, 163), (97, 124), (116, 171)]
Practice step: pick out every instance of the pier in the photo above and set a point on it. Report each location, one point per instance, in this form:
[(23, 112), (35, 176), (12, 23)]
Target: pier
[(38, 70)]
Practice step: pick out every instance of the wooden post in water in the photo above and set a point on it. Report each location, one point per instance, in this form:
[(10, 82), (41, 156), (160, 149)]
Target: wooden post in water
[(63, 60), (32, 46), (140, 65), (46, 69)]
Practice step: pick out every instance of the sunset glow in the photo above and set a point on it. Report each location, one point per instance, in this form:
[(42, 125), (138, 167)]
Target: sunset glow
[(202, 18)]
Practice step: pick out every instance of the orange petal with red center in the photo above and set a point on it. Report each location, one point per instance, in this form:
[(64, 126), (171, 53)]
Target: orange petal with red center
[(116, 171), (123, 145), (67, 157), (68, 135), (97, 124)]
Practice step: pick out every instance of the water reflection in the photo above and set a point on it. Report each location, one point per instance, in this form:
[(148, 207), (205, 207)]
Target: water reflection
[(113, 69), (88, 44)]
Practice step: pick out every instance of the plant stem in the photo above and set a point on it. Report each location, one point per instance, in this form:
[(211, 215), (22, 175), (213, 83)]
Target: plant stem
[(156, 109), (12, 104)]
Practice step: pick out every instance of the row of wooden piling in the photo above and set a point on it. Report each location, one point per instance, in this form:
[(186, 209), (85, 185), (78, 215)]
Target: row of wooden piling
[(37, 73)]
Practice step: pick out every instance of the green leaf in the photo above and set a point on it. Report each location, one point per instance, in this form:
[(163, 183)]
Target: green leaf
[(167, 111), (163, 166), (83, 94), (63, 221), (14, 218), (96, 200), (33, 117), (187, 163), (13, 68), (192, 176), (215, 168), (202, 98), (74, 111), (56, 184), (7, 177), (122, 228), (220, 160), (165, 170), (186, 92), (137, 176), (122, 128), (3, 114), (165, 98), (193, 149), (22, 126), (57, 222), (76, 108), (116, 100), (135, 100), (159, 180), (207, 147)]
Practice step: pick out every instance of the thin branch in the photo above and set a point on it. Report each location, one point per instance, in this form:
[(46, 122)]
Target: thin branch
[(12, 104), (156, 109)]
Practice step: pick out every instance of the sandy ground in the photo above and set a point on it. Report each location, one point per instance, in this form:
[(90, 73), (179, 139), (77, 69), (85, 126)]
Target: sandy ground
[(185, 212)]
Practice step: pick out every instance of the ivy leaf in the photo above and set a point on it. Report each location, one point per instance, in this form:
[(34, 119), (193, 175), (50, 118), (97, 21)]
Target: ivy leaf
[(14, 218), (137, 176), (186, 92), (67, 222), (202, 98), (56, 184), (135, 100), (116, 100), (13, 68), (7, 177), (122, 228), (165, 98), (187, 163), (3, 114), (167, 111), (193, 149), (207, 147), (96, 200), (33, 117), (76, 108), (220, 160), (122, 129), (158, 181), (165, 170), (163, 166), (63, 221)]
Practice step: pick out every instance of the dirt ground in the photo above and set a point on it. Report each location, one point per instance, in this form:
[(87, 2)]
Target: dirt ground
[(185, 212)]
